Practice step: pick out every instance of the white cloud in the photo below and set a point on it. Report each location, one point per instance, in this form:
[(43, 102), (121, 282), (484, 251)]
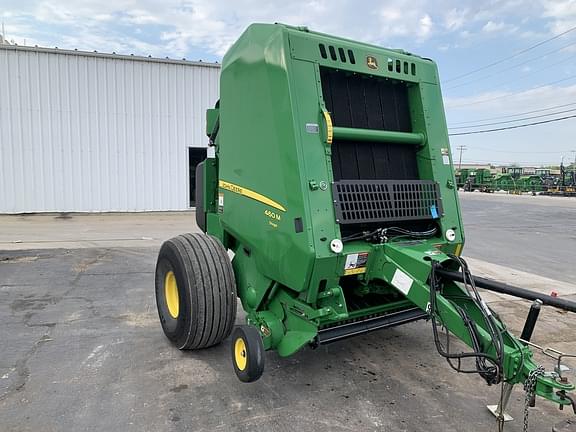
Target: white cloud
[(492, 26), (211, 26), (455, 19), (425, 27), (562, 13), (141, 17), (498, 27)]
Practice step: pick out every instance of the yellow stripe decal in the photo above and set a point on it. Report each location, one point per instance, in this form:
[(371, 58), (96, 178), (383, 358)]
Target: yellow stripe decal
[(329, 128), (458, 249), (250, 194)]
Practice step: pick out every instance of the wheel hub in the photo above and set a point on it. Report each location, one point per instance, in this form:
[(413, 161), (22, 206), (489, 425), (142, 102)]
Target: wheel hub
[(240, 354), (171, 294)]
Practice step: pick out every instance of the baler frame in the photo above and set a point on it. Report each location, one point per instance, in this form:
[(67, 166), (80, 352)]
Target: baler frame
[(349, 224)]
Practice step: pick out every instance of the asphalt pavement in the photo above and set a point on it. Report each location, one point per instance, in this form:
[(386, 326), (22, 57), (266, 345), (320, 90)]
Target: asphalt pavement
[(536, 234), (81, 348)]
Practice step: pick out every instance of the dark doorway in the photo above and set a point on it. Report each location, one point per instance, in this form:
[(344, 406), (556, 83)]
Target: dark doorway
[(195, 156)]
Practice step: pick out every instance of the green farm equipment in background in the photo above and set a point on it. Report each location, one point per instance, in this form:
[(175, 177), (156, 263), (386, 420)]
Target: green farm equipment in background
[(529, 183), (332, 188), (461, 175), (474, 179), (503, 182), (515, 171), (479, 179), (483, 177)]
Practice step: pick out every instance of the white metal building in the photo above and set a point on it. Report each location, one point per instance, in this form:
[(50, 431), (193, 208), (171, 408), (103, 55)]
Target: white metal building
[(98, 132)]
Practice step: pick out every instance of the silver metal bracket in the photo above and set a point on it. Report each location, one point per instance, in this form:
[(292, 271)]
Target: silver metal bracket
[(500, 411), (495, 410)]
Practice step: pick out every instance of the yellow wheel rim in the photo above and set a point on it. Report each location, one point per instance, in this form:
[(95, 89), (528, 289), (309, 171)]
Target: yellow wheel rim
[(240, 354), (171, 294)]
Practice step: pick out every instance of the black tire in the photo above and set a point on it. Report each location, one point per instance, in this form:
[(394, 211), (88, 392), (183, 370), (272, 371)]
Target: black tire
[(204, 310), (247, 353)]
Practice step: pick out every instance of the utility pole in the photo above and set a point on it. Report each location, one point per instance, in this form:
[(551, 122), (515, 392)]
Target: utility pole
[(461, 148)]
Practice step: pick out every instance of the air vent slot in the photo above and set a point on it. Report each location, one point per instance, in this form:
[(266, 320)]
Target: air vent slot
[(337, 53), (407, 68), (332, 52), (351, 56)]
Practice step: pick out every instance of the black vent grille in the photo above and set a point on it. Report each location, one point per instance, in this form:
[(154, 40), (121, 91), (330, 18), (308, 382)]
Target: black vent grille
[(364, 201)]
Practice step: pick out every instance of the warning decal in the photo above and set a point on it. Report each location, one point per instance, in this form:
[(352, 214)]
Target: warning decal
[(220, 202), (402, 281), (356, 263), (445, 156)]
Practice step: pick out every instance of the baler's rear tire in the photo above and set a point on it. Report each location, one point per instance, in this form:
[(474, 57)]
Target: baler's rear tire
[(195, 291), (247, 353)]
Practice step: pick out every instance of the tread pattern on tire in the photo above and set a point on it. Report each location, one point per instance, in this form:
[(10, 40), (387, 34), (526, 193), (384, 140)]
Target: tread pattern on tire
[(211, 286)]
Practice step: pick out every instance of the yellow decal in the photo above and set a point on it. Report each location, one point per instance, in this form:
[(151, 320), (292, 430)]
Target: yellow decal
[(272, 215), (354, 271), (458, 250), (250, 194), (329, 128)]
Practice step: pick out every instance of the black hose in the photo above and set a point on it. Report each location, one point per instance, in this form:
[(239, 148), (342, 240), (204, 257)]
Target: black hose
[(489, 368), (499, 287)]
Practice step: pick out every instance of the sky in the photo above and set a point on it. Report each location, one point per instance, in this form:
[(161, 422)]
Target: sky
[(502, 63)]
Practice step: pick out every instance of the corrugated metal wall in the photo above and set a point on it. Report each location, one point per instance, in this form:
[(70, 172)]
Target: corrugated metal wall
[(88, 132)]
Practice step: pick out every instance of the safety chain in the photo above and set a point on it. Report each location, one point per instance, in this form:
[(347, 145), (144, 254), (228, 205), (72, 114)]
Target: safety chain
[(529, 388)]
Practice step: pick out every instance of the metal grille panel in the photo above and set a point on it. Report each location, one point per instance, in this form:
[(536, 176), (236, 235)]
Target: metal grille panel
[(360, 201)]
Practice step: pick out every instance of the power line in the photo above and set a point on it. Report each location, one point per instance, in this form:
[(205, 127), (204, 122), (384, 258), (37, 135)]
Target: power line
[(508, 162), (465, 83), (527, 75), (515, 115), (521, 152), (514, 93), (516, 54), (513, 121), (513, 127)]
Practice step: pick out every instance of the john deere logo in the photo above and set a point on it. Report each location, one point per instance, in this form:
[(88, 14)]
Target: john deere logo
[(371, 62)]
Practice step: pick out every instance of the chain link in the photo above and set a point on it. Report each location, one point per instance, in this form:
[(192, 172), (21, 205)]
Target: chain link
[(529, 388)]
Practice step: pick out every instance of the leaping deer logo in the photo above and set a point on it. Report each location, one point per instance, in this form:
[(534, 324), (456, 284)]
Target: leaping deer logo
[(371, 62)]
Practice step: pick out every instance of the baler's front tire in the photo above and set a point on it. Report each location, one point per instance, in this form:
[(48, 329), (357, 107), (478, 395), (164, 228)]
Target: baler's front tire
[(247, 353), (195, 291)]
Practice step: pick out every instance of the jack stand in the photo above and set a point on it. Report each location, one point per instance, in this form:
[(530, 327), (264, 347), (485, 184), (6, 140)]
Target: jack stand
[(500, 411)]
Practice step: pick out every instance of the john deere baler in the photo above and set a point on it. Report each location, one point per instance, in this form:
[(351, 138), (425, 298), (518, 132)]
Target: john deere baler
[(332, 189)]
